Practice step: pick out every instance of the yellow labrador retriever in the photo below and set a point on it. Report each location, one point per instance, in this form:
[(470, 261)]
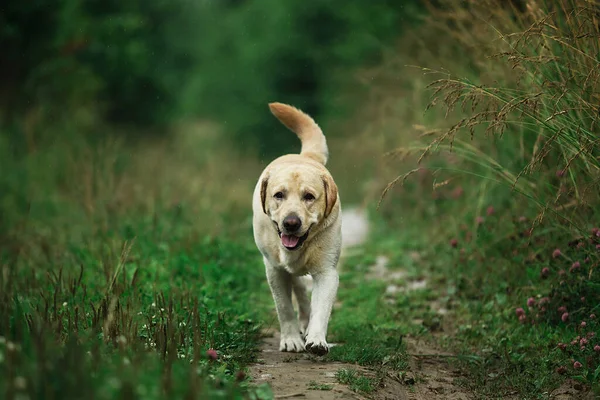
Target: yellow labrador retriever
[(297, 228)]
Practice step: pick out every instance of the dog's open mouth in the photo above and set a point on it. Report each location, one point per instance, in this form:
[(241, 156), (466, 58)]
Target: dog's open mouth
[(292, 242)]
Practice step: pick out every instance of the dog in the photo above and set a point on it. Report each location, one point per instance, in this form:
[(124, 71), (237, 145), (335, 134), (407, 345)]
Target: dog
[(297, 228)]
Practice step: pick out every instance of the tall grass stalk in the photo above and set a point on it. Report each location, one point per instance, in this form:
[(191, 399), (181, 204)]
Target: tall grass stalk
[(536, 89)]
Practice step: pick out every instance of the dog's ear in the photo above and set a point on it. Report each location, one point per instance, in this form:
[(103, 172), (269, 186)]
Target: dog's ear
[(331, 194), (263, 193)]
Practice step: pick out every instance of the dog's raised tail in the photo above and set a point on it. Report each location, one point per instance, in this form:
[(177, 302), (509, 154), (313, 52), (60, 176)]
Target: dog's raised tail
[(313, 141)]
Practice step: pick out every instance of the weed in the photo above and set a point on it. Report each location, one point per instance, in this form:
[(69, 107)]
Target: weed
[(290, 359), (357, 381), (312, 385)]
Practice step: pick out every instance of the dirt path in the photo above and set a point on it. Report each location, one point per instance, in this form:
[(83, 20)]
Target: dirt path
[(304, 376)]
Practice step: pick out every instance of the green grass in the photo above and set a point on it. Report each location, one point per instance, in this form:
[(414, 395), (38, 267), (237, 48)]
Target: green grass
[(133, 312), (493, 270), (357, 381), (497, 274), (369, 332), (112, 284)]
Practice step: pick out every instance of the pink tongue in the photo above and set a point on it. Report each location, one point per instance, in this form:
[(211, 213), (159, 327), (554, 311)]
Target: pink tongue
[(289, 240)]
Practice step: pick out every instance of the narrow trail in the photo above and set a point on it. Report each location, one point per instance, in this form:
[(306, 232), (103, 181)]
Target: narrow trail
[(293, 375)]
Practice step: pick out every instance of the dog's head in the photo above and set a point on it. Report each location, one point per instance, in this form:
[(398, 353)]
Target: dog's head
[(297, 199)]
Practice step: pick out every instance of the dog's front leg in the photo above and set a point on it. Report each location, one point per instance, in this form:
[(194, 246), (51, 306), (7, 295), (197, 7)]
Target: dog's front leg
[(280, 282), (300, 290), (324, 291)]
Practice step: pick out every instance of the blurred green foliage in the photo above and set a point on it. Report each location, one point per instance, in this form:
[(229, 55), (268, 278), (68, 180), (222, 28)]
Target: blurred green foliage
[(149, 64)]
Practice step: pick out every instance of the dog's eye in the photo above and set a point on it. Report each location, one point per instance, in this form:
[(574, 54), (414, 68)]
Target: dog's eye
[(309, 197), (279, 195)]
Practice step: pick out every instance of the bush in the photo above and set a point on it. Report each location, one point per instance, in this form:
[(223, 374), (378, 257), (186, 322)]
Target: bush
[(130, 58)]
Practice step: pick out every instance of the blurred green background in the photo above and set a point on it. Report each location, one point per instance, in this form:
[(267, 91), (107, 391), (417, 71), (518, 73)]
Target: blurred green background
[(144, 65)]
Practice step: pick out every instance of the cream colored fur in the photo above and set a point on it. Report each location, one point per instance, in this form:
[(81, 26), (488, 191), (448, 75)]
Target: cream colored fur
[(300, 185)]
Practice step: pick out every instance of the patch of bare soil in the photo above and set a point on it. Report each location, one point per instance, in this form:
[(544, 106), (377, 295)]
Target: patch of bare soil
[(570, 390), (298, 375), (431, 373)]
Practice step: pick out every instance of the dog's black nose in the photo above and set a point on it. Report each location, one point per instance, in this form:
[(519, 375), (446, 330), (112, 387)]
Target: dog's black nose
[(292, 223)]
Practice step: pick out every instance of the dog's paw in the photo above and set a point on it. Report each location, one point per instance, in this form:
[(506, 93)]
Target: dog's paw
[(316, 346), (292, 343)]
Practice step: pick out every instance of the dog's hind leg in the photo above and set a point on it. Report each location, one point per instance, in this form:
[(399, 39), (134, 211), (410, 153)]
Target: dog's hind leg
[(301, 293), (280, 282)]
